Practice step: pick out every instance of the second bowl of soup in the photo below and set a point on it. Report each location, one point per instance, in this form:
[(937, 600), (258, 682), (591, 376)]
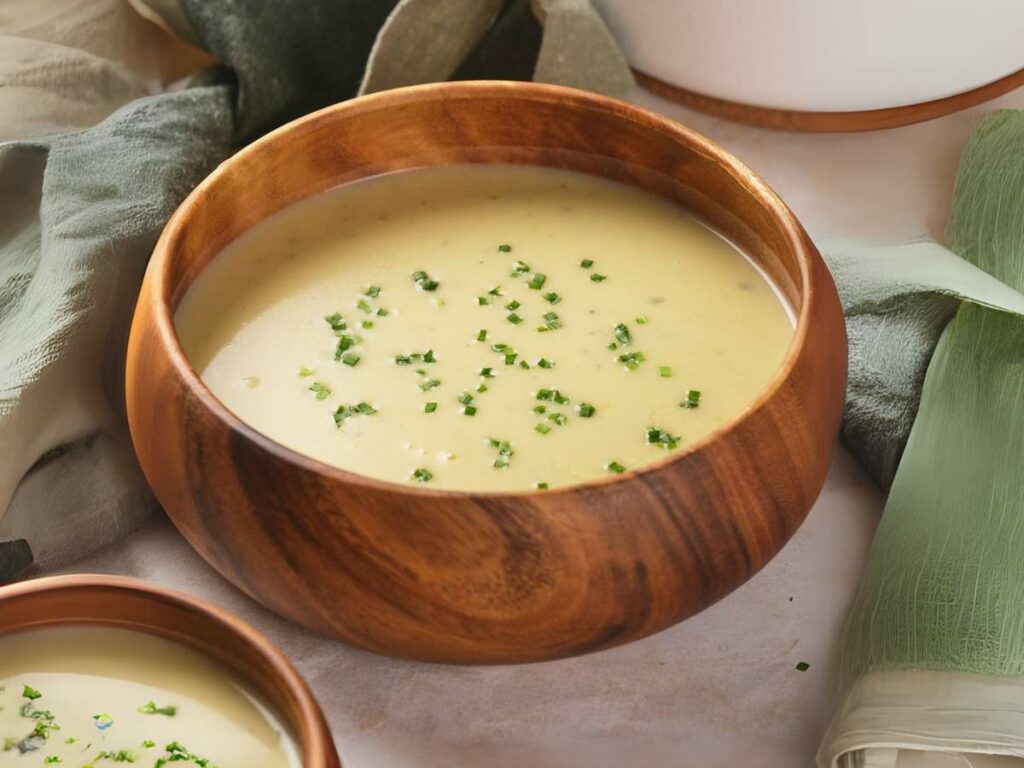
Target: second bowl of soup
[(485, 372)]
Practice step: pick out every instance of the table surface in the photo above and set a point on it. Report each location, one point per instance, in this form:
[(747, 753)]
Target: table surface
[(718, 690)]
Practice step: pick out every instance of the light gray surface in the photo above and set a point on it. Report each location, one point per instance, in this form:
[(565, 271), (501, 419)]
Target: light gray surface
[(719, 690)]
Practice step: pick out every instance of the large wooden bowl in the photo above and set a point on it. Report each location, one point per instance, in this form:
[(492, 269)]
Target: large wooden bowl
[(112, 601), (486, 577)]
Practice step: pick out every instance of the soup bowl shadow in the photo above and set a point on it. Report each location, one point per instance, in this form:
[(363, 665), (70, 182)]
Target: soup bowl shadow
[(471, 577), (113, 601)]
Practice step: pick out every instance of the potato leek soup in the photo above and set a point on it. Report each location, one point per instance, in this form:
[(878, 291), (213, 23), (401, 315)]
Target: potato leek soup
[(485, 327), (93, 696)]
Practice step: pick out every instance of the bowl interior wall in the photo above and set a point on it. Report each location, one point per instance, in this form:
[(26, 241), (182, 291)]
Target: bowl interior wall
[(326, 151)]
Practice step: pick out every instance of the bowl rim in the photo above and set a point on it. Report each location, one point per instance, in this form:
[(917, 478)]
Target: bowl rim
[(312, 738), (160, 288)]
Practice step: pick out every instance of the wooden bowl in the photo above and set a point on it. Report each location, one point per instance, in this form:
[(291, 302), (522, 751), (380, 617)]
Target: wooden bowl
[(113, 601), (486, 577)]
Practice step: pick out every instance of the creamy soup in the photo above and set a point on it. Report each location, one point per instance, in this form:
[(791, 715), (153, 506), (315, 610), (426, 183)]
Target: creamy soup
[(91, 697), (484, 327)]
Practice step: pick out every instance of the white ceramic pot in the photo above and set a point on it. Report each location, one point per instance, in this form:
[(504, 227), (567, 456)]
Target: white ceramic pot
[(821, 55)]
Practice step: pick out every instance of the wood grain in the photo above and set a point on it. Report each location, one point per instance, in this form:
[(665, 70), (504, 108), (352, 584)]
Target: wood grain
[(113, 601), (486, 577), (831, 122)]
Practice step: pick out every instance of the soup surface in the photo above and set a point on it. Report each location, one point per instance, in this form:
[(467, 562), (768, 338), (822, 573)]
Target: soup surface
[(92, 696), (484, 327)]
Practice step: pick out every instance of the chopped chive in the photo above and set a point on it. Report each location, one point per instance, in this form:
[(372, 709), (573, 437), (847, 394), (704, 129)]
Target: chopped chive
[(351, 359), (622, 334), (537, 281), (465, 398), (545, 363), (545, 394), (597, 278), (483, 301), (366, 409), (665, 371), (487, 373), (632, 360), (429, 384), (520, 268), (504, 248), (416, 357), (500, 464), (496, 291), (469, 410), (524, 365), (30, 693), (692, 399), (542, 428), (586, 410), (659, 437), (510, 358), (513, 305), (147, 743), (540, 408), (614, 466), (428, 356), (304, 371), (802, 666), (422, 279), (558, 418), (373, 291), (551, 322), (541, 486), (367, 324), (430, 407), (500, 348), (560, 398), (587, 263), (150, 708), (336, 321), (514, 318), (346, 411), (481, 335), (481, 388), (421, 371), (321, 390), (381, 312), (504, 446), (364, 305), (345, 343), (612, 345), (552, 298), (422, 475), (642, 320)]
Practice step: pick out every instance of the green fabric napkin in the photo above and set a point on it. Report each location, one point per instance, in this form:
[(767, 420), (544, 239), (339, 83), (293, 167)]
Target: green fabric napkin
[(942, 601), (80, 211)]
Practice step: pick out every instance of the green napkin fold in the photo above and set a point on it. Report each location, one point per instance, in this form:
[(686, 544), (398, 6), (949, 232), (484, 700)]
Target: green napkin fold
[(938, 624)]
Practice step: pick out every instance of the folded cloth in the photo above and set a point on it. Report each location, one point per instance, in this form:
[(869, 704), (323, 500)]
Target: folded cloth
[(116, 150), (933, 660)]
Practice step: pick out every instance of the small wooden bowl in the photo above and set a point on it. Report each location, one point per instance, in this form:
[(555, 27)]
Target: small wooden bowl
[(486, 577), (113, 601)]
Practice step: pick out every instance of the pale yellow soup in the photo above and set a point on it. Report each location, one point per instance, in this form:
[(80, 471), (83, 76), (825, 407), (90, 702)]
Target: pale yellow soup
[(484, 328), (93, 696)]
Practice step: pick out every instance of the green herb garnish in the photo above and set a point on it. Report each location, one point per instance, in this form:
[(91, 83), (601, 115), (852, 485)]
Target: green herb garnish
[(367, 324), (692, 399), (487, 373), (429, 384), (148, 743), (665, 371), (373, 291), (586, 410), (537, 281), (351, 359), (614, 466), (347, 411), (465, 398), (422, 475), (422, 279), (513, 318), (495, 291), (304, 372), (519, 268), (802, 666), (481, 335), (416, 357), (597, 278), (541, 486), (540, 409), (551, 322), (336, 321), (513, 305), (50, 759), (483, 301), (552, 298), (364, 305), (622, 334), (632, 360), (587, 263), (510, 358), (345, 343), (661, 438), (545, 363), (542, 428), (322, 390), (642, 320), (430, 407), (150, 708), (381, 312), (176, 752), (469, 410), (558, 418), (30, 693), (504, 248)]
